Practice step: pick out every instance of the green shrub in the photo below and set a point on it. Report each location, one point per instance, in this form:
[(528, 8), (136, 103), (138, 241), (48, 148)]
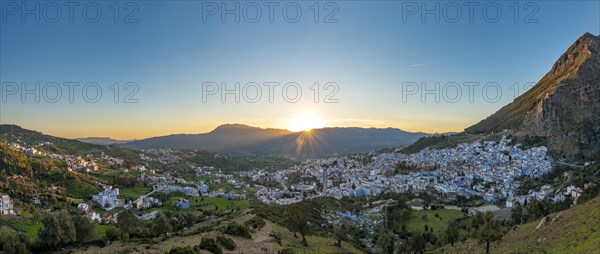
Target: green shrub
[(236, 229), (183, 250), (226, 242), (256, 222), (210, 245), (113, 234)]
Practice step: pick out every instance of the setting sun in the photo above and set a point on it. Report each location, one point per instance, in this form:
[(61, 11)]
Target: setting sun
[(305, 123)]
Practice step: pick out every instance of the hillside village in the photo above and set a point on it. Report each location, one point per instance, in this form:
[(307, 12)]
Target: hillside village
[(487, 170)]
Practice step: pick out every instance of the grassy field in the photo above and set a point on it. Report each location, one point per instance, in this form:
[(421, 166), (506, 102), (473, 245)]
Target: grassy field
[(198, 205), (133, 192), (576, 230), (101, 228), (78, 188), (421, 218), (31, 227)]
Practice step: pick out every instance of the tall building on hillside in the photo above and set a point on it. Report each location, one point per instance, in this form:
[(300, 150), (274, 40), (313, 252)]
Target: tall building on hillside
[(6, 205)]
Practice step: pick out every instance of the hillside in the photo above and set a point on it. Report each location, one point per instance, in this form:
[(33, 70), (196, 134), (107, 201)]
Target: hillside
[(563, 106), (441, 142), (236, 138), (24, 177), (14, 133), (576, 230)]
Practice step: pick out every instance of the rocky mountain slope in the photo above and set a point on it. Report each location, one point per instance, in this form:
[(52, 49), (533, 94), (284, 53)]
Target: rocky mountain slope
[(563, 107)]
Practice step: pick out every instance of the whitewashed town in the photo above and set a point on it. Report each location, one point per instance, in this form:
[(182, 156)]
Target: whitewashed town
[(487, 170), (480, 169)]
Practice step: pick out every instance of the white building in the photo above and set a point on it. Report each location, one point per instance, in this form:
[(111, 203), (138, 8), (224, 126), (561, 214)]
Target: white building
[(6, 205), (107, 198)]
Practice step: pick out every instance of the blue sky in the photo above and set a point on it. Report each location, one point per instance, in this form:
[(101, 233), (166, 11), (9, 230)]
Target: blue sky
[(374, 48)]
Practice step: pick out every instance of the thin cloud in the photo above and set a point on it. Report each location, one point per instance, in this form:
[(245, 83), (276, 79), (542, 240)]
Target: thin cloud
[(417, 65)]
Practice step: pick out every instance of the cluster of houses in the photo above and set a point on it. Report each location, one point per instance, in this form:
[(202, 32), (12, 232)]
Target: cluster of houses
[(73, 163), (164, 156), (488, 170), (228, 195), (187, 190), (27, 150), (571, 192), (145, 202), (79, 164)]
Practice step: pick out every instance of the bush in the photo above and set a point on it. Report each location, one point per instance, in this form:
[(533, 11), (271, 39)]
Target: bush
[(226, 242), (255, 223), (235, 229), (287, 251), (183, 250), (210, 245), (113, 234)]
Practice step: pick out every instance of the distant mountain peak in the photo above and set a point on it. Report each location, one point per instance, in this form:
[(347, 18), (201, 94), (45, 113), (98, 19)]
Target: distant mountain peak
[(233, 126)]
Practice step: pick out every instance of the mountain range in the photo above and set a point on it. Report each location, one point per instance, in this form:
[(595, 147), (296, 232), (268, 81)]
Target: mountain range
[(104, 141), (563, 108), (239, 138)]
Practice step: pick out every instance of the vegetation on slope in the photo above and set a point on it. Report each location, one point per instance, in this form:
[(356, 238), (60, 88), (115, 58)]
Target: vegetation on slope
[(575, 230), (13, 133), (441, 142), (32, 176)]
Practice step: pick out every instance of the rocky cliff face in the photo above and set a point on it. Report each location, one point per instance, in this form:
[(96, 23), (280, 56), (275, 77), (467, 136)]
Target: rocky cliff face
[(564, 106)]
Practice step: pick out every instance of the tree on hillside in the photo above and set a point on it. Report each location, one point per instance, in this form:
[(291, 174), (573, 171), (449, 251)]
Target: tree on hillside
[(58, 230), (417, 242), (162, 225), (536, 210), (15, 243), (296, 219), (451, 233), (85, 230), (385, 241), (477, 220), (397, 215), (517, 215), (489, 231), (126, 221), (339, 233)]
